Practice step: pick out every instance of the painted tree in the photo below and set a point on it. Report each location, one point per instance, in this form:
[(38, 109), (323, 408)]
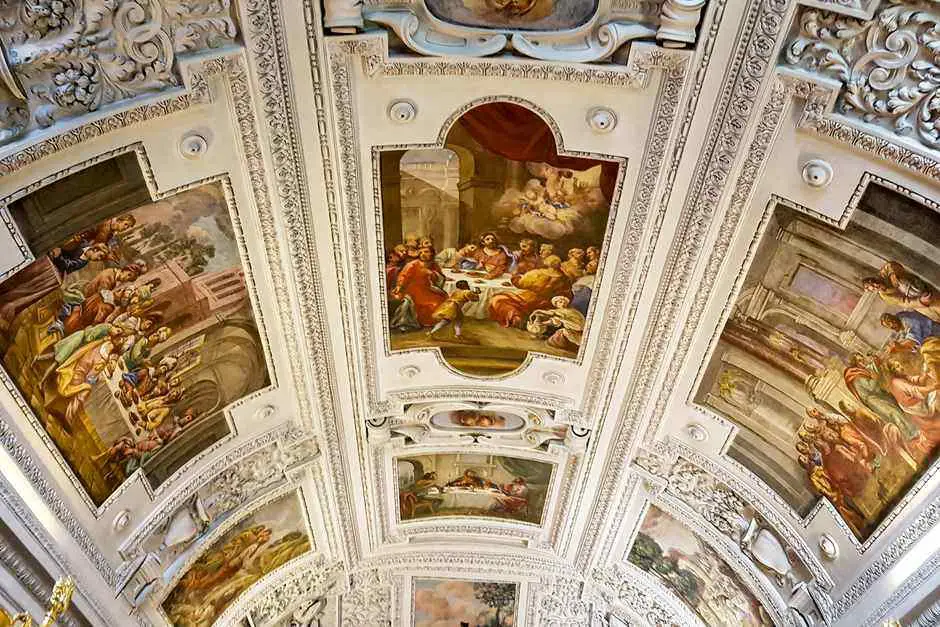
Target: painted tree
[(498, 596)]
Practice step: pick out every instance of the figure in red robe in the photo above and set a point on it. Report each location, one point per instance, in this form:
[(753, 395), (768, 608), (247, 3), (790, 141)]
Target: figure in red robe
[(421, 289)]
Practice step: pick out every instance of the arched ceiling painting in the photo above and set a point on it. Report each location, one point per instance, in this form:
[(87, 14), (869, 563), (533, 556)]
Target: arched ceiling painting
[(437, 313)]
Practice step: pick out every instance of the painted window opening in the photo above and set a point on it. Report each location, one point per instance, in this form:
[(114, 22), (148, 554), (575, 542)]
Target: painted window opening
[(493, 243)]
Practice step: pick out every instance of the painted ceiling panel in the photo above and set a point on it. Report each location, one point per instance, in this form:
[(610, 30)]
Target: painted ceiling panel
[(438, 312)]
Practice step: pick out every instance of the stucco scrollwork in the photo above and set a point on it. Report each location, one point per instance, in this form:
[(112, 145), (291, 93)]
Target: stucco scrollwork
[(368, 603), (67, 58), (598, 39), (889, 66), (291, 590)]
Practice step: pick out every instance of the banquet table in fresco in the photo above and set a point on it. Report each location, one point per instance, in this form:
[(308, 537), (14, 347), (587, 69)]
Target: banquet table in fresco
[(488, 289), (468, 499)]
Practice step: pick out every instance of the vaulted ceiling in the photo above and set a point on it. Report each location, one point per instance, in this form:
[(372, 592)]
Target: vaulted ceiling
[(470, 312)]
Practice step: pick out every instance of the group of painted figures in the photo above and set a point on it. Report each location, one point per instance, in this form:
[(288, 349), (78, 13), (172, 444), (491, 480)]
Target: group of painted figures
[(895, 410), (103, 321), (540, 293), (510, 498)]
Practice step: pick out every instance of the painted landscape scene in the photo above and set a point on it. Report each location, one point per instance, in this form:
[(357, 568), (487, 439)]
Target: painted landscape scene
[(493, 244), (830, 361), (129, 335), (672, 553), (467, 484), (455, 603)]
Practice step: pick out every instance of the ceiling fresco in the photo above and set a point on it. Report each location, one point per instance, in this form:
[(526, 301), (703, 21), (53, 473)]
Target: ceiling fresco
[(469, 312), (508, 236)]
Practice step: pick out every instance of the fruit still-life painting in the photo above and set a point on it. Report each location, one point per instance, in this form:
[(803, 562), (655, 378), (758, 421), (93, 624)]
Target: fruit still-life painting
[(129, 335), (671, 552), (493, 244), (830, 361), (264, 541), (463, 484), (455, 602)]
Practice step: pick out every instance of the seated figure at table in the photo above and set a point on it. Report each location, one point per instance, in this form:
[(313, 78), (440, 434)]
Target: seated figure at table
[(513, 497), (463, 258), (526, 258), (420, 290), (583, 288), (491, 256), (563, 325), (471, 480), (573, 267), (451, 310), (536, 289)]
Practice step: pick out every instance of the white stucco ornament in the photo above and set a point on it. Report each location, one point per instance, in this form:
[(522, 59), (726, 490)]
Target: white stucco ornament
[(402, 111), (696, 432), (828, 547), (601, 120), (120, 521), (193, 146), (817, 173)]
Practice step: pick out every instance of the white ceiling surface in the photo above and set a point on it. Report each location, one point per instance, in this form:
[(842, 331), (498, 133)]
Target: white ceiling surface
[(295, 141)]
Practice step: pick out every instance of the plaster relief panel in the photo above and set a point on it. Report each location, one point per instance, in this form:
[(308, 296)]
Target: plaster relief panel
[(825, 364), (71, 58)]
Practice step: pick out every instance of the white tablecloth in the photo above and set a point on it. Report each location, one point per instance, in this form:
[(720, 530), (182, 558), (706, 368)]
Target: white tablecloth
[(468, 499), (488, 289)]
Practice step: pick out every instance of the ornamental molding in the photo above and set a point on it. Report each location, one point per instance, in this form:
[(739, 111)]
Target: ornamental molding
[(722, 499), (68, 58), (368, 599), (862, 9), (921, 525), (390, 529), (886, 65), (699, 499), (624, 584), (11, 499), (371, 52), (196, 75), (538, 428), (23, 566), (291, 588), (744, 566), (930, 616), (599, 38), (234, 479), (154, 580), (742, 88), (561, 603)]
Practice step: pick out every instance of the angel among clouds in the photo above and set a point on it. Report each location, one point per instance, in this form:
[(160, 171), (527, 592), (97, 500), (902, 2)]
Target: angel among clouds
[(554, 203)]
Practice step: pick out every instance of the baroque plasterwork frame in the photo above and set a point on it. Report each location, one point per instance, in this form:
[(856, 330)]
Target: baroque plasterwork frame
[(782, 92), (198, 75), (138, 475), (751, 578), (373, 54), (900, 508), (294, 488), (271, 598), (543, 535), (379, 255)]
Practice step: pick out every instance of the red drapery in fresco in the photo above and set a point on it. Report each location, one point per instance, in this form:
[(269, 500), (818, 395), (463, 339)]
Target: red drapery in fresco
[(516, 133)]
